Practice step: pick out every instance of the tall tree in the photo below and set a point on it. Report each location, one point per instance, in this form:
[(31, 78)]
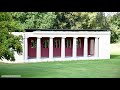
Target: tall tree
[(114, 22), (8, 42), (80, 20), (40, 20)]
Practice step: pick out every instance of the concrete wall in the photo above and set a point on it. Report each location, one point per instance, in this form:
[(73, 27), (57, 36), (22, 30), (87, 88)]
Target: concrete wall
[(104, 47)]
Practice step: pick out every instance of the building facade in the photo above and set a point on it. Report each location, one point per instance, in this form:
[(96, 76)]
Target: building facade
[(60, 45)]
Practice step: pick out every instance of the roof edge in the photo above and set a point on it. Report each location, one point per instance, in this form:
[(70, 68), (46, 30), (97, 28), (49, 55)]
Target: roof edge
[(31, 30)]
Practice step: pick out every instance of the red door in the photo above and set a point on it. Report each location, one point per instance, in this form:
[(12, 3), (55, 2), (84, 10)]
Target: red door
[(80, 46), (68, 46), (56, 47), (32, 47), (44, 47)]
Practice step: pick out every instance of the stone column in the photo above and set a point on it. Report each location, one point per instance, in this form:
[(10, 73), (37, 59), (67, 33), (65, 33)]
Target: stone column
[(51, 48), (85, 46), (96, 46), (26, 49), (38, 48), (63, 47), (74, 47)]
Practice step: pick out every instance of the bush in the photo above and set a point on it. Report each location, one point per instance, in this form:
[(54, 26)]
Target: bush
[(114, 36)]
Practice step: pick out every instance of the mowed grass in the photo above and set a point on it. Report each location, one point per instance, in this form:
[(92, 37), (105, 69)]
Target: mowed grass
[(68, 69)]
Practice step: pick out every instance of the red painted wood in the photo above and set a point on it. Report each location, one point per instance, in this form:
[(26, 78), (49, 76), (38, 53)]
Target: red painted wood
[(56, 51), (31, 51), (68, 51), (44, 51), (89, 46), (80, 51)]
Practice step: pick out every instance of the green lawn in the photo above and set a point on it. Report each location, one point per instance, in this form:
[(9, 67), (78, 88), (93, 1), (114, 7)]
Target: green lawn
[(68, 69)]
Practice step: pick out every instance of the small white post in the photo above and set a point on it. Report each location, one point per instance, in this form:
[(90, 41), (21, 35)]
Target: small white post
[(38, 48), (26, 49), (85, 46), (63, 48), (74, 47), (51, 48), (96, 46)]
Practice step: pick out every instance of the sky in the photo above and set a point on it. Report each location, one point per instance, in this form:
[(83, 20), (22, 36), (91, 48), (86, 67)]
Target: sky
[(109, 13)]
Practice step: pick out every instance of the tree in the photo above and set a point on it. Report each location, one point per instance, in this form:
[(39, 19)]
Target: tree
[(114, 23), (39, 20), (8, 42), (80, 20)]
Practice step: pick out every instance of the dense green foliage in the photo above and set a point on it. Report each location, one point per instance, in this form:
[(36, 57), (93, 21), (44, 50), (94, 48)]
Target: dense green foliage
[(80, 20), (8, 42), (114, 23), (41, 20), (61, 20)]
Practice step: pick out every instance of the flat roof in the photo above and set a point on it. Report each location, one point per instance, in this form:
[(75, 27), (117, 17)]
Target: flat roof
[(31, 30)]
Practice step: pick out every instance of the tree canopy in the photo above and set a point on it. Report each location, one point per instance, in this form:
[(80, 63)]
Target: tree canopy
[(114, 25), (42, 20), (8, 42), (80, 20)]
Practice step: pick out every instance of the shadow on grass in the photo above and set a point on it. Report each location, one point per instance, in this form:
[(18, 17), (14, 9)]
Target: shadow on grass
[(114, 56)]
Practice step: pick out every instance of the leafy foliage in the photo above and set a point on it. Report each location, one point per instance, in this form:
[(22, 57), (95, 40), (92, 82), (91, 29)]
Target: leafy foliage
[(80, 20), (8, 42), (41, 20), (114, 23)]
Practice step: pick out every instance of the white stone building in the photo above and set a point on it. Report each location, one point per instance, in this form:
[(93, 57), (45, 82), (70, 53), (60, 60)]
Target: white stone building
[(60, 45)]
